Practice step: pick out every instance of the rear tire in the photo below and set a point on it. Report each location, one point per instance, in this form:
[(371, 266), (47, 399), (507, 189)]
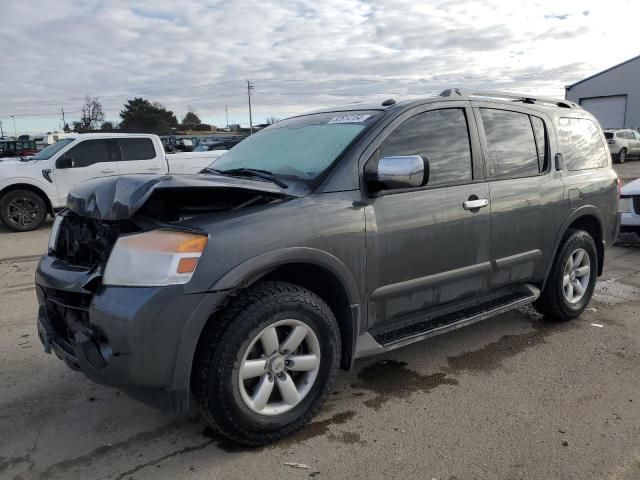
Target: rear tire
[(224, 381), (572, 279), (622, 156), (23, 210)]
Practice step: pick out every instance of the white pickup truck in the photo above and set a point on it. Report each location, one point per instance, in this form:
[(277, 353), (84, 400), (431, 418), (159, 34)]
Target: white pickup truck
[(34, 187)]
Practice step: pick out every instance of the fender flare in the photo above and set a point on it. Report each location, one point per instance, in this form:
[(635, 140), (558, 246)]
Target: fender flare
[(244, 275), (583, 211), (249, 271)]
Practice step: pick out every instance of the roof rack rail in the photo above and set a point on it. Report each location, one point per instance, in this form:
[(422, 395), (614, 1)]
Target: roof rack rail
[(516, 97)]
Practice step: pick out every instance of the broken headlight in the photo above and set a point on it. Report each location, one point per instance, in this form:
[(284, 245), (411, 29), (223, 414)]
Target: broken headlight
[(53, 236), (158, 257)]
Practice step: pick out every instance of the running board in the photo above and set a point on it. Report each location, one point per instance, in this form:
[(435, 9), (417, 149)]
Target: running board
[(380, 341)]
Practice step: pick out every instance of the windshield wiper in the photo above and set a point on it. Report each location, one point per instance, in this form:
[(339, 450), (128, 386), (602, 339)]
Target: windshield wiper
[(248, 172)]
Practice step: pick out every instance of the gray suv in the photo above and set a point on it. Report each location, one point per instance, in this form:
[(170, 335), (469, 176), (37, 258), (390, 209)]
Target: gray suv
[(326, 237)]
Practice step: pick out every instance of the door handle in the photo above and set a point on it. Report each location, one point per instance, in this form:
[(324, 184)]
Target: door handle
[(154, 168), (108, 170), (475, 204)]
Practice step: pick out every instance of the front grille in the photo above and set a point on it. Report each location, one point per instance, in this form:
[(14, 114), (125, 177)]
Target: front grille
[(636, 205), (87, 242)]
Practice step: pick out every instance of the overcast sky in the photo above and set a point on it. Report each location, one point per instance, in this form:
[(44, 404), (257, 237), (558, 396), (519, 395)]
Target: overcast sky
[(300, 55)]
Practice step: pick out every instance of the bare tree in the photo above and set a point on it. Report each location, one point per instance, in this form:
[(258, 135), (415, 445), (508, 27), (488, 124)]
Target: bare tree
[(92, 115), (272, 120)]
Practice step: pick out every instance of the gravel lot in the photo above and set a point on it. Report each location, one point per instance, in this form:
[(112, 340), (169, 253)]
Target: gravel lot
[(513, 397)]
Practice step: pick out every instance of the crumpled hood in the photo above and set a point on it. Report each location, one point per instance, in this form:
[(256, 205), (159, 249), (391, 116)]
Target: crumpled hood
[(119, 197)]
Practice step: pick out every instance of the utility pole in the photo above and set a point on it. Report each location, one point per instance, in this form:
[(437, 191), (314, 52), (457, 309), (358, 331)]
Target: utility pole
[(1, 130), (226, 112), (15, 132), (63, 122), (250, 87)]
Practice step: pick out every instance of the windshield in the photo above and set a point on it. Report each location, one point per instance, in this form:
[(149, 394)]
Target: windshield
[(302, 147), (52, 149)]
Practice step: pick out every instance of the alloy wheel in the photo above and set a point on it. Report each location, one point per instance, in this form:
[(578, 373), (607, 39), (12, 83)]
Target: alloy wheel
[(23, 211), (577, 274), (279, 367)]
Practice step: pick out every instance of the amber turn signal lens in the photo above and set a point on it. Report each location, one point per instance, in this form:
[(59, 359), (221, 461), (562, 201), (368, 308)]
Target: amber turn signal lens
[(195, 244), (167, 241), (187, 265)]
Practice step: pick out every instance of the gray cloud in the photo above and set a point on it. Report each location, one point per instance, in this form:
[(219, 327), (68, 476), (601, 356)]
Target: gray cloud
[(300, 54)]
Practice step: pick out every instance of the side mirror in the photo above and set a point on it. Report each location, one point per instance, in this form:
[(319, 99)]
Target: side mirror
[(64, 161), (408, 171)]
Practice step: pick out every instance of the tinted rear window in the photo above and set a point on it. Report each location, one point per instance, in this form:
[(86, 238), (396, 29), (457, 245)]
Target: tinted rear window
[(608, 135), (137, 148), (582, 144), (510, 143)]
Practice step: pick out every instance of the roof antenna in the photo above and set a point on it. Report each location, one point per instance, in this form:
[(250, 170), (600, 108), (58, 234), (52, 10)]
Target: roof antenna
[(388, 102)]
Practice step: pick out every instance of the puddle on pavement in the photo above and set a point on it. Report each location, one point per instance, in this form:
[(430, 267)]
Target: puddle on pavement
[(392, 379), (311, 430), (389, 379), (348, 438), (315, 429)]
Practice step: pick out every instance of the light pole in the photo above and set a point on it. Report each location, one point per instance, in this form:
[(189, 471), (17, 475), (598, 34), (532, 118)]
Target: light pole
[(15, 132), (1, 130), (249, 88)]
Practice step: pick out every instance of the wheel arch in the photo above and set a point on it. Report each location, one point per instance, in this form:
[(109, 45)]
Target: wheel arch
[(589, 219), (32, 188), (314, 269), (310, 268)]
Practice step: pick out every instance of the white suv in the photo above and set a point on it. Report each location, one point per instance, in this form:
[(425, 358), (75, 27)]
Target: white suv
[(623, 144), (630, 208)]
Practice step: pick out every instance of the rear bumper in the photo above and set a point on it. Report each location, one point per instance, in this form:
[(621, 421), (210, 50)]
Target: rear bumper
[(140, 340)]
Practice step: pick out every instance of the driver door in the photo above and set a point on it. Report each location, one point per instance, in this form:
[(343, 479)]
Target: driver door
[(88, 159), (425, 248)]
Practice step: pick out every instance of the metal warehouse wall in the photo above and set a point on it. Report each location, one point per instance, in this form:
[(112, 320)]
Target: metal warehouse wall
[(622, 80)]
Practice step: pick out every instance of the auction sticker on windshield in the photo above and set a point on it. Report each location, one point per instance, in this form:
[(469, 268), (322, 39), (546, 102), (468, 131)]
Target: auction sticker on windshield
[(348, 119)]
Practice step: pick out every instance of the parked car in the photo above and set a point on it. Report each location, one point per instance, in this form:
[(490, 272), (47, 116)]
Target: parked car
[(630, 207), (218, 144), (321, 239), (623, 144), (32, 188)]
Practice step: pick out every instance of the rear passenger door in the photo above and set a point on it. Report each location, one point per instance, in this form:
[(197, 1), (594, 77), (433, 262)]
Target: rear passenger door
[(525, 192), (138, 155)]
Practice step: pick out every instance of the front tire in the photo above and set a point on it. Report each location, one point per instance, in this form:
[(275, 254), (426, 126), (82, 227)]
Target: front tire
[(572, 279), (265, 367), (23, 210), (622, 156)]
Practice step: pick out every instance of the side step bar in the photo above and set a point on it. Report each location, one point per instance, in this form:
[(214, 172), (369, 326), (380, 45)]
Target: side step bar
[(383, 341)]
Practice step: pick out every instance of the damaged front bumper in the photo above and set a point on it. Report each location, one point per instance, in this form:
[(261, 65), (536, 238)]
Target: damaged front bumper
[(138, 339)]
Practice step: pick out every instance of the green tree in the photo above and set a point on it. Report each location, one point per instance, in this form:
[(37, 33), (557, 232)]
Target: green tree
[(191, 118), (107, 126), (142, 116)]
